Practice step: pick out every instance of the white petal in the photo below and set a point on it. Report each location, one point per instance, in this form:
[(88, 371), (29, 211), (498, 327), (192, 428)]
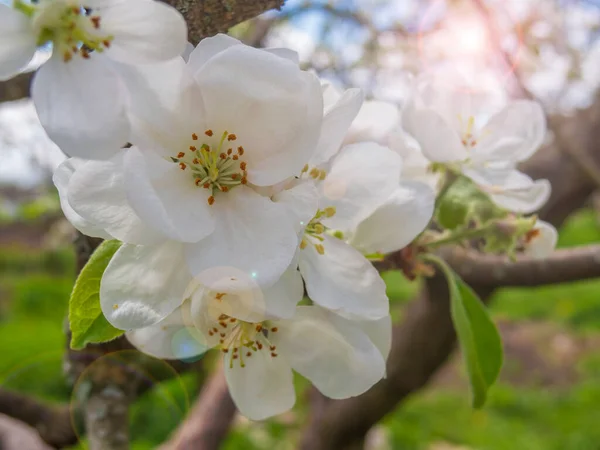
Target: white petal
[(166, 197), (336, 122), (165, 105), (524, 201), (438, 140), (361, 178), (337, 357), (285, 53), (17, 42), (96, 191), (209, 47), (514, 134), (301, 200), (187, 52), (263, 387), (234, 293), (61, 178), (253, 235), (144, 31), (511, 189), (143, 284), (542, 244), (275, 109), (81, 105), (379, 332), (415, 166), (398, 221), (343, 280), (374, 122), (171, 338)]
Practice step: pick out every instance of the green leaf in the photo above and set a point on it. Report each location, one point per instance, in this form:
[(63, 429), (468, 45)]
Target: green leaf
[(86, 320), (477, 335)]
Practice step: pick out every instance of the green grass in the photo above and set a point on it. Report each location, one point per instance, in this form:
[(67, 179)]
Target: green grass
[(513, 419)]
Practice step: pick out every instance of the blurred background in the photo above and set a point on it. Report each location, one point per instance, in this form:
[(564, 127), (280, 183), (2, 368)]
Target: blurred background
[(548, 396)]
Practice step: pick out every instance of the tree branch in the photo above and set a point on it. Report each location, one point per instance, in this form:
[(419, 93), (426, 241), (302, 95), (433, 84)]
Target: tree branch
[(16, 88), (209, 420), (53, 423), (209, 17), (565, 265)]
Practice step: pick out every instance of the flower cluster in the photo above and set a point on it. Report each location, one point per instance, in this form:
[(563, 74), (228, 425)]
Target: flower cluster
[(252, 196)]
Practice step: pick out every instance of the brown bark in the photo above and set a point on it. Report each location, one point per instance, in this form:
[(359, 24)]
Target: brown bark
[(209, 17), (53, 423), (209, 421)]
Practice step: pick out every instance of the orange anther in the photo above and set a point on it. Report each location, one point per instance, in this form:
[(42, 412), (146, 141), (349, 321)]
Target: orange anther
[(240, 150), (194, 136), (235, 157), (180, 155), (244, 180), (229, 151), (182, 166), (243, 165), (95, 21), (231, 137), (206, 185), (192, 148), (223, 156), (211, 201), (208, 132)]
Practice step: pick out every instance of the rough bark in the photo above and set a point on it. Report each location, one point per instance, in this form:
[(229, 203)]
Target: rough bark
[(209, 17)]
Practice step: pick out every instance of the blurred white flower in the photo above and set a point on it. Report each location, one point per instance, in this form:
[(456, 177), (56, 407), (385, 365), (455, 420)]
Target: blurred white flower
[(78, 94), (453, 125)]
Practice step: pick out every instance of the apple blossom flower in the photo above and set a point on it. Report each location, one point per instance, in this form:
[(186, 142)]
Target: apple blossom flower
[(208, 143), (78, 94), (362, 204), (340, 357), (450, 126)]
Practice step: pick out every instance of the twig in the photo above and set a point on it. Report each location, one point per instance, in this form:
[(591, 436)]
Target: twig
[(209, 420), (565, 265)]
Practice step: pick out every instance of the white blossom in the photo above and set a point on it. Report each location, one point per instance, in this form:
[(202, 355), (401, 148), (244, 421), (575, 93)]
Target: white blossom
[(360, 189), (80, 98), (454, 125), (340, 357), (192, 194)]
